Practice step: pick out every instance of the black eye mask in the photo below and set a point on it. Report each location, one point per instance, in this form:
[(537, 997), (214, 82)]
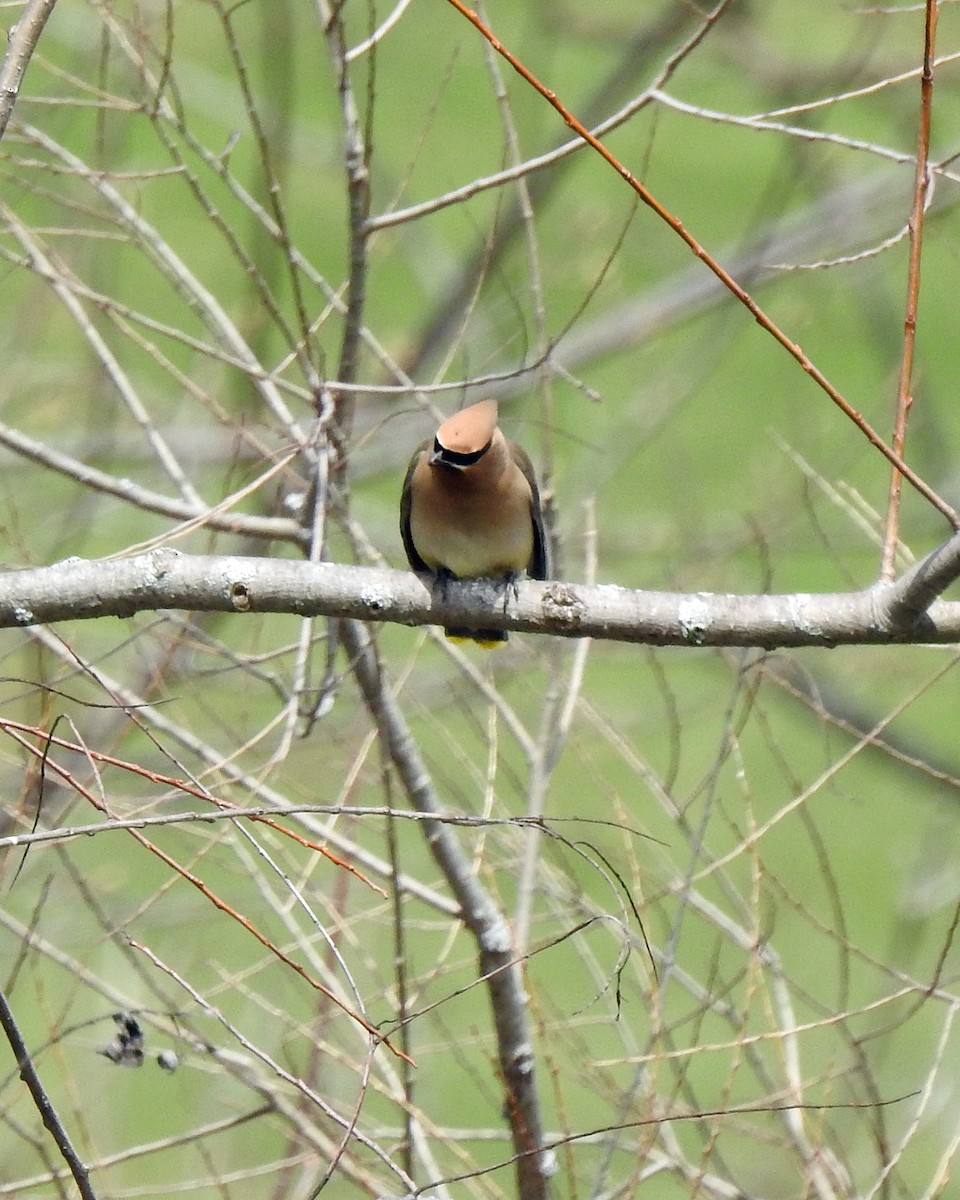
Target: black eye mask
[(456, 458)]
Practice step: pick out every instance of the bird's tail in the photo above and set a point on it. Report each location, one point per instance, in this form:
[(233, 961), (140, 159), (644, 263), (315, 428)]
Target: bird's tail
[(489, 639)]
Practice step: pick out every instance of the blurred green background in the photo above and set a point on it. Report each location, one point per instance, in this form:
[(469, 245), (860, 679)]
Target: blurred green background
[(785, 824)]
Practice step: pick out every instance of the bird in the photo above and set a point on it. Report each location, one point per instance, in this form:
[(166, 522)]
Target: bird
[(470, 509)]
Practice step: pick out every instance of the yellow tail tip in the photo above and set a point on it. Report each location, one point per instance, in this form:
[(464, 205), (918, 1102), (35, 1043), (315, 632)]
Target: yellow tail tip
[(488, 643)]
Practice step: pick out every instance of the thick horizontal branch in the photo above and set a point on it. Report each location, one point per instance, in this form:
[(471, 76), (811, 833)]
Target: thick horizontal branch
[(79, 589)]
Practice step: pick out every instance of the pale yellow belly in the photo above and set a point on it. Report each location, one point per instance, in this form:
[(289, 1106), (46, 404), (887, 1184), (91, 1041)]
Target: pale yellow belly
[(452, 533)]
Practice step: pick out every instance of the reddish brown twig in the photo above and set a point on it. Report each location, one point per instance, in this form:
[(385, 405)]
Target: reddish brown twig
[(921, 187), (71, 781), (190, 789), (759, 315)]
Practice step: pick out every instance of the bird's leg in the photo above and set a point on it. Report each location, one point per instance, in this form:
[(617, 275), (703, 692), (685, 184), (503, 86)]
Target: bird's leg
[(509, 583), (443, 577)]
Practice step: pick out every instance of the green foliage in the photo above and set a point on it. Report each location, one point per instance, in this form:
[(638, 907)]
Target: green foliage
[(778, 831)]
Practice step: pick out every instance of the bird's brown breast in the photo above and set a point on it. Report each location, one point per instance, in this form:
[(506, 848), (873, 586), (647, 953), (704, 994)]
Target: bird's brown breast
[(472, 523)]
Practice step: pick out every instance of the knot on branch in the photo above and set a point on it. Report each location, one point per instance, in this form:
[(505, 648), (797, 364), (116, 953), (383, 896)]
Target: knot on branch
[(561, 606), (240, 597)]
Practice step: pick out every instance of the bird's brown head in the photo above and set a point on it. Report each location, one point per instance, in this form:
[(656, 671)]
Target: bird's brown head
[(463, 439)]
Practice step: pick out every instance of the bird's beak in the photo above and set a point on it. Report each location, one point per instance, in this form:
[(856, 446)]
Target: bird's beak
[(439, 459)]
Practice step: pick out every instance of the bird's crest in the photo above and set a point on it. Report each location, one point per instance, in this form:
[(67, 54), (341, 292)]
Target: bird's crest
[(470, 429)]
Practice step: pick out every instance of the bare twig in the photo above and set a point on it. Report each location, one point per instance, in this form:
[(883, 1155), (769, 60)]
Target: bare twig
[(921, 187), (22, 42), (498, 967), (759, 315), (44, 1105), (290, 1078), (221, 763), (556, 719), (213, 897), (358, 200), (458, 820), (181, 278), (218, 517), (763, 124)]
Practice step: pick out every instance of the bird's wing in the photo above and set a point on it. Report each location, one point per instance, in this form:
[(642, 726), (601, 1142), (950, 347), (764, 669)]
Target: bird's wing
[(539, 566), (413, 558)]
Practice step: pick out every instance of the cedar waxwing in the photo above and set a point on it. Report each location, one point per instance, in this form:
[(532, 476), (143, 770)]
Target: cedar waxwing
[(470, 508)]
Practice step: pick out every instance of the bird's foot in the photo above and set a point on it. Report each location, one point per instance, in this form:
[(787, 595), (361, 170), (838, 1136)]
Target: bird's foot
[(442, 580), (510, 583)]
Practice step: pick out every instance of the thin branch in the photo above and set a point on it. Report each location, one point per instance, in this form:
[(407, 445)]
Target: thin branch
[(759, 315), (22, 41), (221, 765), (356, 165), (921, 187), (44, 1105), (213, 897), (497, 963), (282, 529), (555, 722), (288, 1077), (385, 26), (441, 904), (41, 263), (183, 281), (762, 124)]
